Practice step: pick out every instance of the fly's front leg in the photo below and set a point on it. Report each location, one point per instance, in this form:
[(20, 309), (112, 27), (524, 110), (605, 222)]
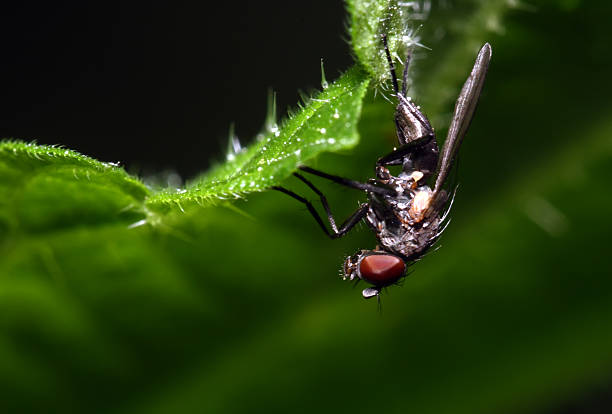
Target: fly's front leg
[(368, 187), (398, 155)]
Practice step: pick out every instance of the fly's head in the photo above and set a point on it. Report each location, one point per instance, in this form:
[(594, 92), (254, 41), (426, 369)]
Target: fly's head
[(376, 267)]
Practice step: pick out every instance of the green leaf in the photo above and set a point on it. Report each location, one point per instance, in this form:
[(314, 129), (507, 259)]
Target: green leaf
[(328, 122), (369, 20), (45, 188)]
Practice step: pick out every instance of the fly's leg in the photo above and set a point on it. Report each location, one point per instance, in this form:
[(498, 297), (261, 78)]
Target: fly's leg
[(371, 188), (323, 199), (336, 232), (398, 155)]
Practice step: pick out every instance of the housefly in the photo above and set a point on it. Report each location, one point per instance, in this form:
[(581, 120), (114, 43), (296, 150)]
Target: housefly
[(408, 212)]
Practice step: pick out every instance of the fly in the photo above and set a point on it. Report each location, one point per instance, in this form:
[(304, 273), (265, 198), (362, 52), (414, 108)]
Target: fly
[(408, 212)]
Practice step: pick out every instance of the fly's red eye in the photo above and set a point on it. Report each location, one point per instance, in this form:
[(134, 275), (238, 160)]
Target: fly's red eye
[(381, 269)]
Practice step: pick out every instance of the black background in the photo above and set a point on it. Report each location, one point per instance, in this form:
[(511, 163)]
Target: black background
[(156, 86)]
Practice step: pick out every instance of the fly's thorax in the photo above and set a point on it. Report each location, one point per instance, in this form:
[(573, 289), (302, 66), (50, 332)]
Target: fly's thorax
[(406, 222), (412, 200), (402, 185)]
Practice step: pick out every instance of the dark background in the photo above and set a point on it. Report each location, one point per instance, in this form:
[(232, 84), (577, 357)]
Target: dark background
[(157, 85)]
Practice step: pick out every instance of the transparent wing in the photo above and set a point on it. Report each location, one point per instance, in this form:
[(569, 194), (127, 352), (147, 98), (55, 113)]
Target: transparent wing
[(464, 110)]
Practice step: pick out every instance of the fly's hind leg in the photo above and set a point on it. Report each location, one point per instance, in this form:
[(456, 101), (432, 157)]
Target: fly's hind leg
[(335, 232)]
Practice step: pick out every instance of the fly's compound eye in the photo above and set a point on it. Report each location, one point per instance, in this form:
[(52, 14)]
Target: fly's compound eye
[(382, 269)]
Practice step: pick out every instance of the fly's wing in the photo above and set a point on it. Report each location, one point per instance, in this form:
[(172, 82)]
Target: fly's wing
[(464, 110)]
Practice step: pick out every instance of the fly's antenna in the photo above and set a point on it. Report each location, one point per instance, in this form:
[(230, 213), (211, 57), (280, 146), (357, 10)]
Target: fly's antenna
[(391, 64)]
